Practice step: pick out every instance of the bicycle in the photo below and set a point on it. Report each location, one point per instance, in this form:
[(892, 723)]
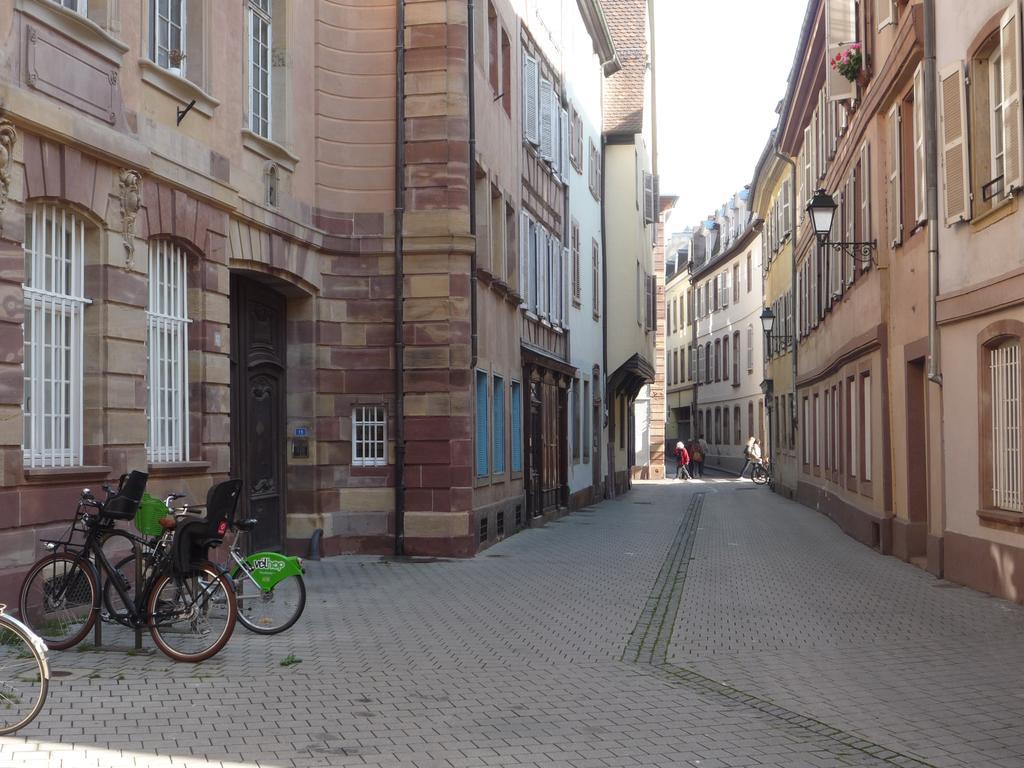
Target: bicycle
[(269, 588), (186, 602), (761, 473), (279, 596), (24, 674)]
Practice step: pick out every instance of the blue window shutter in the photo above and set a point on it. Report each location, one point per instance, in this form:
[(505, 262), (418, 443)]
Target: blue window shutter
[(517, 427), (481, 424), (498, 430)]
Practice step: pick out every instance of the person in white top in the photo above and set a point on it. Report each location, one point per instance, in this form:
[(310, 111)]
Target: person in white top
[(751, 455)]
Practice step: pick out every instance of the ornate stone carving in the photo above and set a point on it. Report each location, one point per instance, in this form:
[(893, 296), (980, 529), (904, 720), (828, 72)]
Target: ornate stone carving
[(130, 195), (8, 136)]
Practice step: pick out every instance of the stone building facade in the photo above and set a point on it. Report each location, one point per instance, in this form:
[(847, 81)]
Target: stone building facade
[(725, 276), (277, 241)]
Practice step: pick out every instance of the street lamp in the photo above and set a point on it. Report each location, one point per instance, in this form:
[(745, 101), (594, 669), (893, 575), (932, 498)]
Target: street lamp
[(822, 210), (767, 386), (768, 323)]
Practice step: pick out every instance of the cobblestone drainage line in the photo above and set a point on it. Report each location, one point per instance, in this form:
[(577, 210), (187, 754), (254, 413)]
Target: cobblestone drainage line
[(649, 641)]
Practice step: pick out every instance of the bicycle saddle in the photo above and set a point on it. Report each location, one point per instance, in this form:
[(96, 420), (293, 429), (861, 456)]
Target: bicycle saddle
[(246, 525)]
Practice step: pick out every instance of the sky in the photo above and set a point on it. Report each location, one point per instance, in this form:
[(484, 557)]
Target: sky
[(721, 71)]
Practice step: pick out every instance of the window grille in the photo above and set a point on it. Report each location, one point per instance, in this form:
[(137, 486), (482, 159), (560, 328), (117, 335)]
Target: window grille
[(167, 344), (167, 31), (259, 66), (369, 436), (1004, 367), (54, 303)]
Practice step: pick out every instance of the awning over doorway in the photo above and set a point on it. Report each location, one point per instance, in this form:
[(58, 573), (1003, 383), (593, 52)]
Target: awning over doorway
[(631, 376)]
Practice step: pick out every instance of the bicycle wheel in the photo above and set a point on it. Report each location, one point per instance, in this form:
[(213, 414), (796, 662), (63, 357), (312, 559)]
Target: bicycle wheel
[(24, 680), (58, 600), (272, 611), (191, 617), (759, 474)]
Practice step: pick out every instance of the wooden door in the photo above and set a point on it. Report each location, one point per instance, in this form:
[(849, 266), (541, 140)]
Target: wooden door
[(534, 450), (596, 424), (258, 407)]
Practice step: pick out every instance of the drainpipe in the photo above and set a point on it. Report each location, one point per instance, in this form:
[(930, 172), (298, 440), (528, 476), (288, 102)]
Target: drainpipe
[(932, 188), (609, 407), (792, 257), (470, 62), (399, 283)]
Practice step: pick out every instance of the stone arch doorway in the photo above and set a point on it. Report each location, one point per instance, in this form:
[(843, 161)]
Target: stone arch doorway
[(258, 405)]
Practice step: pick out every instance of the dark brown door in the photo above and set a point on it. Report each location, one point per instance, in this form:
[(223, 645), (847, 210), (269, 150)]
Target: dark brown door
[(534, 450), (596, 425), (258, 406)]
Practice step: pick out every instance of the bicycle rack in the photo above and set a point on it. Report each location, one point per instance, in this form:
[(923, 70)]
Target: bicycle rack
[(97, 632)]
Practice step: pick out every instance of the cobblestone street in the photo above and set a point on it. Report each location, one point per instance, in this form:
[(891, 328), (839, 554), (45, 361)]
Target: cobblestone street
[(706, 624)]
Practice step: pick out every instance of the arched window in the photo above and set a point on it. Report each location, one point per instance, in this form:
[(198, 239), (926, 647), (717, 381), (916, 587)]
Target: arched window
[(167, 342), (54, 304)]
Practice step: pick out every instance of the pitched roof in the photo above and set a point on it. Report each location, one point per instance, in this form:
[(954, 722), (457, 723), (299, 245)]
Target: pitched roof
[(624, 91)]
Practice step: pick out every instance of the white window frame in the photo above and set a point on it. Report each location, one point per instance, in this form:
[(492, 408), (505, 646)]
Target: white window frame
[(54, 329), (167, 346), (997, 154), (81, 7), (366, 417), (160, 53), (260, 100)]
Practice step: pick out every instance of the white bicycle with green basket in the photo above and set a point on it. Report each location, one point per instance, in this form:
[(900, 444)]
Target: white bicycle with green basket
[(269, 587), (24, 674)]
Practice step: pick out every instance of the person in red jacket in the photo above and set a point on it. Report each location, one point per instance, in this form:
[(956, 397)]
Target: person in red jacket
[(683, 459)]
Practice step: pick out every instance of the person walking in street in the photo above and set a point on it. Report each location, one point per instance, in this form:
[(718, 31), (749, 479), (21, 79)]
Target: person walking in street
[(698, 451), (752, 456), (683, 461)]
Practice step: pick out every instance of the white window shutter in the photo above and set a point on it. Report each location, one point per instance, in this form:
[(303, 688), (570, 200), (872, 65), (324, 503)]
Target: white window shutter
[(544, 281), (866, 229), (565, 147), (565, 286), (547, 137), (956, 182), (808, 192), (530, 115), (920, 209), (524, 256), (1009, 42), (894, 222), (648, 198), (885, 12)]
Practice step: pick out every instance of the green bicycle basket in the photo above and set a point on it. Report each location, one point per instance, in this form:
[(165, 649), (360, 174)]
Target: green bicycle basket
[(147, 519)]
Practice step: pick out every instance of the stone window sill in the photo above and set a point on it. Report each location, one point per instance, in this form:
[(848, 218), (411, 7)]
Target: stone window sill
[(1001, 520), (76, 27), (85, 472), (177, 87), (269, 150), (163, 469)]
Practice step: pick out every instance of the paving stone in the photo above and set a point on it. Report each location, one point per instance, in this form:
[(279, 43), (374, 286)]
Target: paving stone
[(684, 624)]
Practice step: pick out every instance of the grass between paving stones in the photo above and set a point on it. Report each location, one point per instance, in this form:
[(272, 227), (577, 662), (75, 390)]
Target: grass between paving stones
[(290, 659)]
